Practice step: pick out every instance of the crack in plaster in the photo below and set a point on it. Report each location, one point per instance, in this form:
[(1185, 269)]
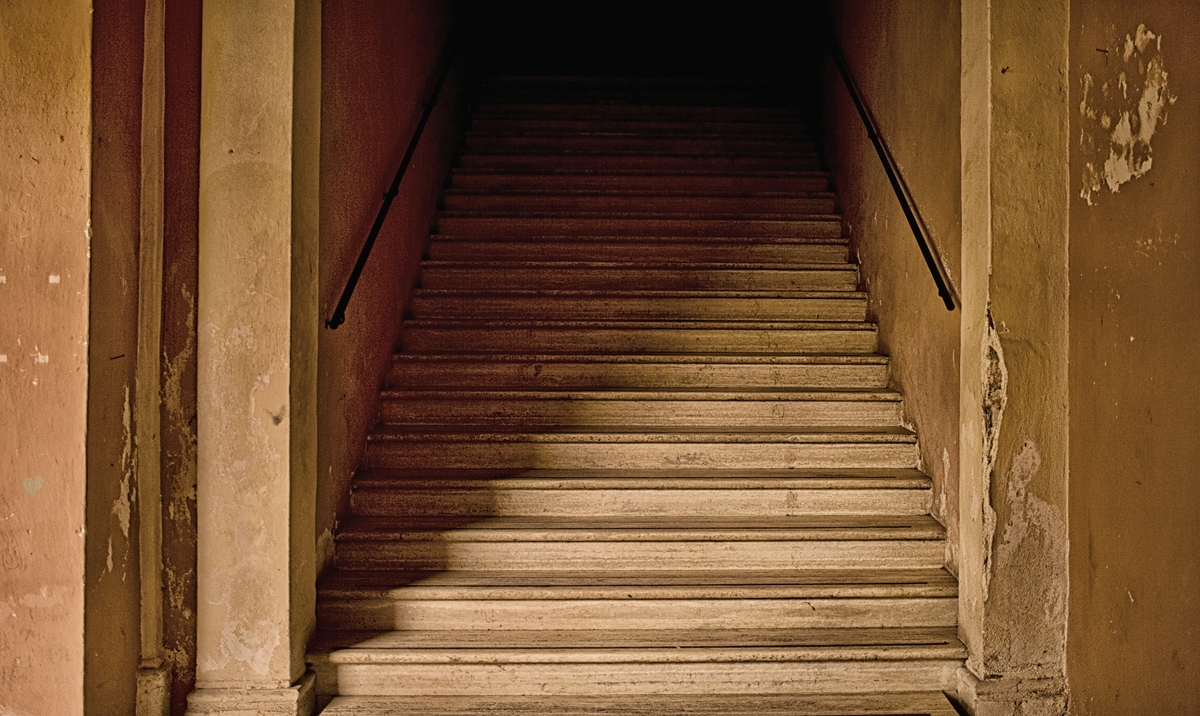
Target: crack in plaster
[(995, 398)]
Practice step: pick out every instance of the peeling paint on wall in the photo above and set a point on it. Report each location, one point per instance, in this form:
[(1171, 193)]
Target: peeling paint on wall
[(123, 505), (1121, 115), (995, 398)]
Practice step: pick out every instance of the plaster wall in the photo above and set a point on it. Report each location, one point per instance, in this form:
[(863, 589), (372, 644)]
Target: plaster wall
[(378, 58), (45, 177), (177, 415), (256, 346), (905, 57), (1013, 382), (1134, 321), (112, 597)]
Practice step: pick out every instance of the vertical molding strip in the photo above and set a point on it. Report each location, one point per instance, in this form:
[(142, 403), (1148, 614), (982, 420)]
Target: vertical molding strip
[(152, 687)]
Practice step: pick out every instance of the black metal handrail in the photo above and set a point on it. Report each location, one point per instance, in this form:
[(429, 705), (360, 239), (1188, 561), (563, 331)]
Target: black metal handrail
[(339, 313), (928, 249)]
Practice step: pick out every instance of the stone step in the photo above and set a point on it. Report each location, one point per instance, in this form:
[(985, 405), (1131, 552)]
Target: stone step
[(678, 144), (639, 250), (662, 127), (591, 275), (815, 203), (645, 407), (560, 447), (780, 184), (782, 338), (900, 703), (455, 601), (657, 163), (648, 544), (644, 662), (664, 493), (566, 224), (641, 305), (586, 110), (567, 371)]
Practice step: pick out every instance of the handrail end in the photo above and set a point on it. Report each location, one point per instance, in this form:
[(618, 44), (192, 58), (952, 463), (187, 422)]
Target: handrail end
[(948, 299), (337, 319)]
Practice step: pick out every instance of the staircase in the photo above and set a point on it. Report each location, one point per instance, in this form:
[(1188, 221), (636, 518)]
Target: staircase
[(638, 454)]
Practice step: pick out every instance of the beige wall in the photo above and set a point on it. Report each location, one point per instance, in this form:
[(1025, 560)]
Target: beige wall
[(45, 142), (905, 56), (377, 60), (1134, 624)]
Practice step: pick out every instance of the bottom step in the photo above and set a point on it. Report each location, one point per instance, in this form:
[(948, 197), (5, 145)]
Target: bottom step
[(590, 663), (924, 703)]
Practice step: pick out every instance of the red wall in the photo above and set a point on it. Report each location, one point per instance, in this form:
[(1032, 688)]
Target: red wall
[(377, 61)]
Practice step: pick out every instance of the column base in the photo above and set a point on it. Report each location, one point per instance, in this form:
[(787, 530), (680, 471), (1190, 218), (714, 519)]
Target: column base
[(1011, 696), (153, 691), (295, 700)]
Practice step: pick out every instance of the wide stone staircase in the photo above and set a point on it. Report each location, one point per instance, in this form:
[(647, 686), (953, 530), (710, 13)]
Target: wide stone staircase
[(638, 454)]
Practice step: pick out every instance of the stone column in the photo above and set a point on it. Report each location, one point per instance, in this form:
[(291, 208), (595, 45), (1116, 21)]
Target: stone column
[(257, 332), (1013, 380)]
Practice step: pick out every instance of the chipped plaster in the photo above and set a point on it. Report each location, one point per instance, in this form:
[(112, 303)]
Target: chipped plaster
[(995, 397), (1120, 113)]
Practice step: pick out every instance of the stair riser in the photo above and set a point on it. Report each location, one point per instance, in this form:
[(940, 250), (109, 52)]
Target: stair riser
[(649, 679), (623, 375), (551, 226), (696, 309), (664, 164), (675, 144), (648, 556), (636, 413), (534, 614), (635, 252), (681, 184), (636, 456), (485, 278), (647, 204), (638, 503), (616, 340)]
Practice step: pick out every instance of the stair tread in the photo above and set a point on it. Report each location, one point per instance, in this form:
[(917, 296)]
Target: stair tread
[(927, 703), (633, 216), (566, 193), (646, 358), (683, 217), (642, 324), (499, 265), (623, 294), (444, 478), (646, 434), (742, 584), (649, 241), (634, 529), (644, 645), (793, 394)]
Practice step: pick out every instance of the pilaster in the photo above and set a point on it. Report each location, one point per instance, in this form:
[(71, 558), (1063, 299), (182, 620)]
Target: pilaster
[(1013, 382), (257, 331)]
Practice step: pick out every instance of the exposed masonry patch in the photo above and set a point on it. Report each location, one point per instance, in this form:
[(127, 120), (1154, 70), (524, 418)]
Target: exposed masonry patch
[(995, 398), (1118, 120), (122, 507), (1026, 509)]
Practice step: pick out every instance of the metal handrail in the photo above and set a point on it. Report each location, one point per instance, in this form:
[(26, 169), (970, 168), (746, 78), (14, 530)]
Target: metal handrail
[(339, 313), (928, 248)]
